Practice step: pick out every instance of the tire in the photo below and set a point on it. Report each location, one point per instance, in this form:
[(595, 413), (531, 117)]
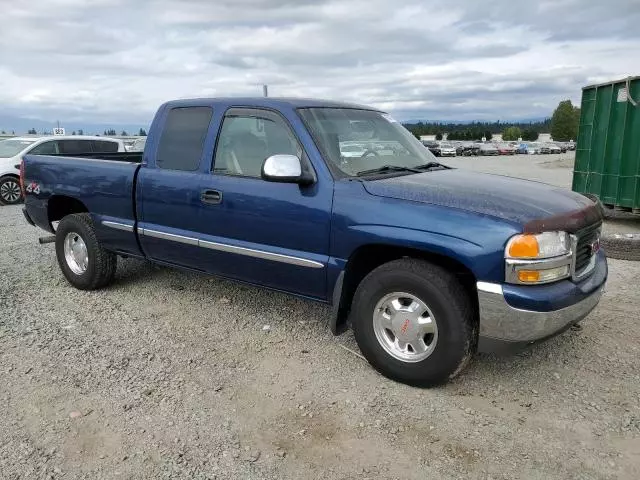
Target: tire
[(622, 247), (10, 193), (451, 345), (100, 266)]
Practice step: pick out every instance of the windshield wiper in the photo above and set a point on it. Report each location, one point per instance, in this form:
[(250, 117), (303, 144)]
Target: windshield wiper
[(430, 165), (387, 168)]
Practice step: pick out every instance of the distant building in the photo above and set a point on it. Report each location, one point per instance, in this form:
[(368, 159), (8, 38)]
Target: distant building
[(496, 137), (545, 137), (427, 138)]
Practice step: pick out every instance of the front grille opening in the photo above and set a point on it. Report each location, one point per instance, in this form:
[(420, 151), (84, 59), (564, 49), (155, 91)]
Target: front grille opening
[(586, 237)]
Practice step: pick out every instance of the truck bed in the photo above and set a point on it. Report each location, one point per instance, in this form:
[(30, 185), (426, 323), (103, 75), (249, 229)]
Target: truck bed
[(134, 157), (103, 183)]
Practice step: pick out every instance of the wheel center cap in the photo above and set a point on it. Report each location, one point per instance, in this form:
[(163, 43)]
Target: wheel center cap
[(403, 327)]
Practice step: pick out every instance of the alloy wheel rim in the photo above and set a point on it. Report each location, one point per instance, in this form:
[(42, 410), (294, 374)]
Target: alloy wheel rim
[(75, 253), (10, 191), (405, 327)]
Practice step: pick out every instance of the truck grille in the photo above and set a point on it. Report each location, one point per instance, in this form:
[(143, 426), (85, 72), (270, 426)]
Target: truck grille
[(584, 250)]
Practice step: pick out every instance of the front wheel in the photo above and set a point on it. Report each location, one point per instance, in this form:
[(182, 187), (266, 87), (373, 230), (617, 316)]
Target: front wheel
[(10, 193), (82, 259), (414, 322)]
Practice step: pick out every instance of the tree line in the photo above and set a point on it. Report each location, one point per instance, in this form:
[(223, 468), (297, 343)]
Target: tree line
[(563, 126), (477, 130)]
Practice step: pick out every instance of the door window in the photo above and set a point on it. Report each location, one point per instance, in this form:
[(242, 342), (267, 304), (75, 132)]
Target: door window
[(248, 137), (183, 137)]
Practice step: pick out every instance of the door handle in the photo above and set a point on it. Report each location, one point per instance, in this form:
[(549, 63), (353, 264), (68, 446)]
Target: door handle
[(212, 197)]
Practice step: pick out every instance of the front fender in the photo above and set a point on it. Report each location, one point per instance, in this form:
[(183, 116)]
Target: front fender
[(464, 251)]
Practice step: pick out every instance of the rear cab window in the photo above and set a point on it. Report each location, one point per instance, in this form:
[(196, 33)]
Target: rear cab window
[(104, 146), (45, 148), (183, 137), (73, 147)]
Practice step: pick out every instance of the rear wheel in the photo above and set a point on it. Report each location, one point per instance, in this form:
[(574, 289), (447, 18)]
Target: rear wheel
[(82, 259), (10, 193), (414, 322)]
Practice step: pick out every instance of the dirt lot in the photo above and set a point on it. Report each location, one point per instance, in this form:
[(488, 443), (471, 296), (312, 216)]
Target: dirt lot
[(173, 375)]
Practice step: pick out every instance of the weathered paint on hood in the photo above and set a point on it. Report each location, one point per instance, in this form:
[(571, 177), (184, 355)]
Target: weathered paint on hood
[(529, 204)]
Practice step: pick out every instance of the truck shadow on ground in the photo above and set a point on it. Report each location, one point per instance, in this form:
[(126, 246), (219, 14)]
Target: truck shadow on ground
[(534, 361)]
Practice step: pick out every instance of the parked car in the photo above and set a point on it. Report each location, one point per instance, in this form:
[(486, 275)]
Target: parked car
[(12, 150), (538, 149), (444, 149), (488, 149), (138, 145), (562, 146), (428, 263), (523, 148), (352, 150), (471, 150), (432, 146), (505, 149), (553, 148)]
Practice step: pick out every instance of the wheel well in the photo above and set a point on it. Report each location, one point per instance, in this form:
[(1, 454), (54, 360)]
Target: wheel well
[(59, 206), (368, 257)]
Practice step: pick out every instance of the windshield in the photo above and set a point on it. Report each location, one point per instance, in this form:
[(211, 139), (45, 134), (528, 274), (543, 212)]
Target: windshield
[(446, 145), (11, 148), (376, 139)]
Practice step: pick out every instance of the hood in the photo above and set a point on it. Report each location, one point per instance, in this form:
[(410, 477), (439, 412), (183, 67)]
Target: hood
[(533, 205)]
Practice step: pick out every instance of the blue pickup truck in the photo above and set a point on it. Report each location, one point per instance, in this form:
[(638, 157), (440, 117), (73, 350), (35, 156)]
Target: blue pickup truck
[(426, 264)]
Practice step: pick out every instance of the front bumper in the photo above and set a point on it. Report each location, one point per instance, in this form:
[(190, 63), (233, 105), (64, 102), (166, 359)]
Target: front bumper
[(512, 316)]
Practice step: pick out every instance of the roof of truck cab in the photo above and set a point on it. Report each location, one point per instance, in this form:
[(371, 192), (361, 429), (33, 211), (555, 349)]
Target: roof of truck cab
[(268, 102)]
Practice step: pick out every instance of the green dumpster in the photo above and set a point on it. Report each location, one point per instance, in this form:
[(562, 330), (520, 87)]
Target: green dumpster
[(607, 161)]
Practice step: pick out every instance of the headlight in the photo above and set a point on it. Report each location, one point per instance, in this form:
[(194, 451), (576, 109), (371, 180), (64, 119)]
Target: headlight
[(542, 245), (536, 259)]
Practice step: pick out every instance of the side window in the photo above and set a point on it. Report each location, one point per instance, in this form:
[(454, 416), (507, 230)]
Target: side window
[(104, 146), (72, 147), (182, 140), (45, 148), (248, 137)]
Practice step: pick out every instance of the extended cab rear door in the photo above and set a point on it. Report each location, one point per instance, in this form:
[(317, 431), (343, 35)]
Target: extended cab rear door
[(168, 187)]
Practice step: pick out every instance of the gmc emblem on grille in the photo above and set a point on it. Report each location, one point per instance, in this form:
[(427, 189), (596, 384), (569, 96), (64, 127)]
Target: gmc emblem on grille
[(595, 246)]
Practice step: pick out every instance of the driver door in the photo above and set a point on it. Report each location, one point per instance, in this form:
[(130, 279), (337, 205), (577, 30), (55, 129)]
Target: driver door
[(273, 234)]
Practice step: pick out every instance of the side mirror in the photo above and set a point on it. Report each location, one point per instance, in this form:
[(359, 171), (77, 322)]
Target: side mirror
[(285, 169)]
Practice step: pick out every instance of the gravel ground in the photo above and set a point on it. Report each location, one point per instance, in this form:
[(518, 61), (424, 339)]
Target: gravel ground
[(169, 374)]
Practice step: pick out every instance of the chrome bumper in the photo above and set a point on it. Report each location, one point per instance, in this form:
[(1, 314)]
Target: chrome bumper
[(502, 323)]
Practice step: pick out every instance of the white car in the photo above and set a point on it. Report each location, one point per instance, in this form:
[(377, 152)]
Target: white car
[(352, 150), (446, 150), (13, 149), (138, 145)]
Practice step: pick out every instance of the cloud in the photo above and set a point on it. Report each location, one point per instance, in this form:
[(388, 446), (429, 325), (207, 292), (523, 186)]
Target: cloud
[(116, 61)]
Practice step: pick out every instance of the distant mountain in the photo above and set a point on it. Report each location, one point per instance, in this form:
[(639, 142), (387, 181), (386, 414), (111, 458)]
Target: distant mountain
[(21, 126)]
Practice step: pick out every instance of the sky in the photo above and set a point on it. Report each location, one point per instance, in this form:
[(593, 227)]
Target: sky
[(115, 61)]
